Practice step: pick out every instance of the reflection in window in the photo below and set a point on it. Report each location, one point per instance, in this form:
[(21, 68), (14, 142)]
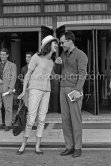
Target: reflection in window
[(54, 8), (19, 1), (88, 7), (21, 9)]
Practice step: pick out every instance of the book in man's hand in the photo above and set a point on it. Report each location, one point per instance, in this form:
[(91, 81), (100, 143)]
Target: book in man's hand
[(71, 96)]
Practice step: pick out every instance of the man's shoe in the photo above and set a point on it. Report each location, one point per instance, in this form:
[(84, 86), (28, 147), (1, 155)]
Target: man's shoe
[(77, 153), (67, 152), (2, 126), (7, 128)]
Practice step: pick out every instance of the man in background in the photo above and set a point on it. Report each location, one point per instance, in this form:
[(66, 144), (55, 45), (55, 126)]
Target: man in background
[(23, 72), (8, 76)]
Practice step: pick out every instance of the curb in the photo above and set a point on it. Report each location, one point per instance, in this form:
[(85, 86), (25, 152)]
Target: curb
[(55, 145)]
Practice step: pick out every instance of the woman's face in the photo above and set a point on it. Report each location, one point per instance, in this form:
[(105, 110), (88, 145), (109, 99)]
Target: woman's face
[(54, 46)]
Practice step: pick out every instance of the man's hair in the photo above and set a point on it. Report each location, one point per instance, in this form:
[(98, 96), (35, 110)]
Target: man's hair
[(29, 52), (69, 35), (4, 50)]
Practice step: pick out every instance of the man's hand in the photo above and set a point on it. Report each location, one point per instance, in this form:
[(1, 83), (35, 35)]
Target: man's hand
[(10, 91), (58, 60), (77, 94)]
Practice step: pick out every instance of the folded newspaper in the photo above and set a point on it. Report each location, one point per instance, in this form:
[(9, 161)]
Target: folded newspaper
[(71, 96), (6, 93)]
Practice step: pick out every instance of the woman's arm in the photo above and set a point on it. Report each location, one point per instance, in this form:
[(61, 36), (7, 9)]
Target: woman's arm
[(31, 67), (25, 83), (26, 79)]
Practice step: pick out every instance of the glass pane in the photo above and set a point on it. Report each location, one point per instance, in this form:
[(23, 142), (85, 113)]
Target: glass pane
[(104, 70)]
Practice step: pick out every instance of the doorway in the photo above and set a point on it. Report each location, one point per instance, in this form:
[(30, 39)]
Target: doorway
[(85, 40), (96, 43), (104, 70), (29, 43)]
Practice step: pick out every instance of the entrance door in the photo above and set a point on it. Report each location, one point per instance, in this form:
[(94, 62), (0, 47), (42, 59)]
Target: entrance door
[(85, 40), (97, 94), (89, 101), (104, 70)]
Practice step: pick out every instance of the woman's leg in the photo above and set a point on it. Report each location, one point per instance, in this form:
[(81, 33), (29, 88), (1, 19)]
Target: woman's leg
[(23, 144), (43, 109), (38, 141), (34, 100)]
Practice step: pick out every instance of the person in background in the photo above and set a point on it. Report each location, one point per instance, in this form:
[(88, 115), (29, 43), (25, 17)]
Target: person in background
[(23, 72), (8, 76), (38, 80), (2, 109), (2, 126), (28, 56), (74, 69)]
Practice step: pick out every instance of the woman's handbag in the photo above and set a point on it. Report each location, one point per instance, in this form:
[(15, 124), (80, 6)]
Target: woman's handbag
[(20, 119)]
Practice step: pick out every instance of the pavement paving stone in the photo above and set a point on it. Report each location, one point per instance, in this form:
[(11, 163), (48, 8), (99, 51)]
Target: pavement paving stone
[(52, 157)]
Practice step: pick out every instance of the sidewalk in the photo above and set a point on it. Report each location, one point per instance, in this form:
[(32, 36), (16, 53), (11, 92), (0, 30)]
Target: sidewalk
[(96, 132)]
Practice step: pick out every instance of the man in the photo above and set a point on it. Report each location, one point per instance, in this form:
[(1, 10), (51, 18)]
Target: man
[(8, 76), (73, 71), (27, 58), (2, 109), (2, 126), (23, 72)]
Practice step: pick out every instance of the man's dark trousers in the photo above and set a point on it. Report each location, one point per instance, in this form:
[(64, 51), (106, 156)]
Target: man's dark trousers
[(71, 119)]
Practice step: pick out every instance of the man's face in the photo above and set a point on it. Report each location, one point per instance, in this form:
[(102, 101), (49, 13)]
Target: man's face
[(65, 44), (28, 58), (3, 56)]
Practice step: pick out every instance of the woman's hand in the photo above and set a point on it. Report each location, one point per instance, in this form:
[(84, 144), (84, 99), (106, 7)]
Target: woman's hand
[(58, 60), (21, 95)]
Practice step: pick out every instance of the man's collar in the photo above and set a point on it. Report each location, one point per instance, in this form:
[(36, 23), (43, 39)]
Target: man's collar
[(4, 62), (68, 53)]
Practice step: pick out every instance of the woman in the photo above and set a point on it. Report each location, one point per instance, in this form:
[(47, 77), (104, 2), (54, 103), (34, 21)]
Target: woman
[(38, 80)]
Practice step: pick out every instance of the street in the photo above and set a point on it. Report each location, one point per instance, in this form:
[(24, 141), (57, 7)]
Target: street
[(90, 157)]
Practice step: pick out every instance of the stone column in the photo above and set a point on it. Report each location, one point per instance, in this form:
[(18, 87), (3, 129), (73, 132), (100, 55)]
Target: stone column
[(103, 67), (39, 41), (103, 54), (16, 50)]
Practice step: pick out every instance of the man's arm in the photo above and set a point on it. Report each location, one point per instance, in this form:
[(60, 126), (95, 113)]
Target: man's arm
[(13, 76), (82, 72)]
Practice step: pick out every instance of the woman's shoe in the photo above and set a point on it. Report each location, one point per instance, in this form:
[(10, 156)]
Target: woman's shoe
[(20, 152), (39, 152)]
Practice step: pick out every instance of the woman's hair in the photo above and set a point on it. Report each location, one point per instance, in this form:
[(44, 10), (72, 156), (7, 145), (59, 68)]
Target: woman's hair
[(46, 49), (53, 57)]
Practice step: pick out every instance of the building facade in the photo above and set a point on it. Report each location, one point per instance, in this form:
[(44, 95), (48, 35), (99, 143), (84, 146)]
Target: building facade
[(23, 24)]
